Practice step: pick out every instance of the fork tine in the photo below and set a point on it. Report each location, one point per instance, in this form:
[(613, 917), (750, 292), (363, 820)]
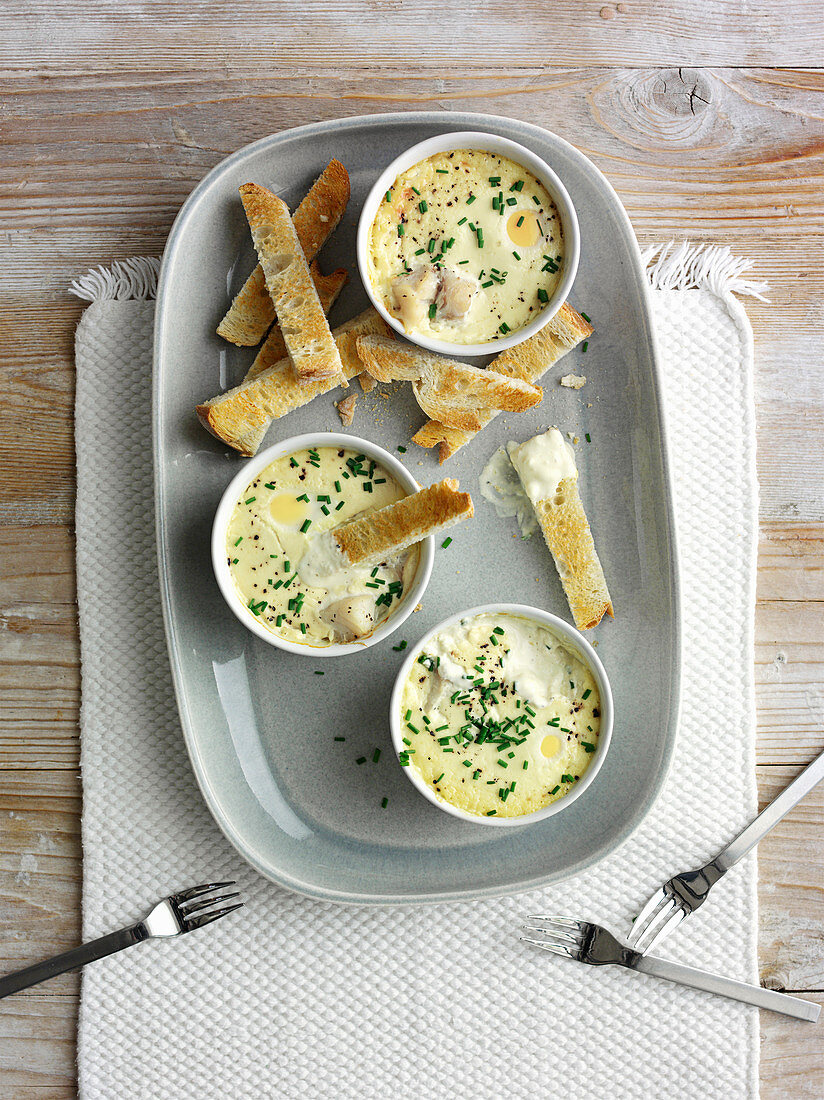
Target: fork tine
[(661, 914), (207, 918), (559, 922), (192, 907), (555, 948), (647, 914), (196, 891), (556, 933), (668, 926)]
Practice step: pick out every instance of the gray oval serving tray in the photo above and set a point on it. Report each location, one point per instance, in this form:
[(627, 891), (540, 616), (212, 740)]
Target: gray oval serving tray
[(258, 723)]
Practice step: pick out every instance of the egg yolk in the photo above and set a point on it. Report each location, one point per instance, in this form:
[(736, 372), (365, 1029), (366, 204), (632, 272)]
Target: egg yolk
[(286, 509), (550, 745), (522, 228)]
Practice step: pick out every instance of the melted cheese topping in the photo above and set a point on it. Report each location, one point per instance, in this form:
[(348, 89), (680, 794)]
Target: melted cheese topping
[(499, 716), (466, 247), (276, 521), (542, 463)]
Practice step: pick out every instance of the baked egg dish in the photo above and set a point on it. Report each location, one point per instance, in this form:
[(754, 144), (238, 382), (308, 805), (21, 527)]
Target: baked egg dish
[(466, 247), (499, 715), (273, 526)]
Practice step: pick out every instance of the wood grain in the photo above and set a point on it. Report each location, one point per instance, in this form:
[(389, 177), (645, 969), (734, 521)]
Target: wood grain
[(109, 119)]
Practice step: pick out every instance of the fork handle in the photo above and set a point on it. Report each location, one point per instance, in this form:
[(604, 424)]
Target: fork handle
[(771, 815), (726, 987), (71, 960)]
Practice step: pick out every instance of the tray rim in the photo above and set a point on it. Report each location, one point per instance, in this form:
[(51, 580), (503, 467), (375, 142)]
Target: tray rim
[(194, 749)]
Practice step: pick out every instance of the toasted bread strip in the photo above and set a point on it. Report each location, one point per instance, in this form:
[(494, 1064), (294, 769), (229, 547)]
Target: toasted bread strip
[(273, 348), (297, 305), (546, 467), (526, 361), (241, 417), (381, 534), (449, 391), (253, 311)]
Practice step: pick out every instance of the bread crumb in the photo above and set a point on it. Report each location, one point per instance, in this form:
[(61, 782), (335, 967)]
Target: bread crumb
[(367, 382), (420, 605), (346, 409), (573, 381)]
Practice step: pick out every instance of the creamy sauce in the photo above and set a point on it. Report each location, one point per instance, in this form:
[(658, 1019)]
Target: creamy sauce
[(499, 716), (466, 247), (502, 487), (276, 522), (542, 463)]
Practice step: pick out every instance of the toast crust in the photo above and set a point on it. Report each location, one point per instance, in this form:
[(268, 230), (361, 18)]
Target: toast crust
[(241, 416), (387, 531), (253, 311), (297, 305), (454, 393), (526, 361), (568, 536)]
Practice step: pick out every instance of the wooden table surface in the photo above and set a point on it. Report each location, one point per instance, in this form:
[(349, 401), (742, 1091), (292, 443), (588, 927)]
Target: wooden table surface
[(707, 118)]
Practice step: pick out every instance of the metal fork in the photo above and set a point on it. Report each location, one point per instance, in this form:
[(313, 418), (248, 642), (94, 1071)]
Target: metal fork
[(590, 943), (179, 913), (682, 895)]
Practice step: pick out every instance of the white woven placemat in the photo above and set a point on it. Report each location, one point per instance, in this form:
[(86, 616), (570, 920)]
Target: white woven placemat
[(296, 998)]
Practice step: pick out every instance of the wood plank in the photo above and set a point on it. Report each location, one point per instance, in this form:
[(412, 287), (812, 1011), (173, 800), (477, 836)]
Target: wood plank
[(792, 1056), (37, 1046), (326, 33), (791, 889), (789, 665)]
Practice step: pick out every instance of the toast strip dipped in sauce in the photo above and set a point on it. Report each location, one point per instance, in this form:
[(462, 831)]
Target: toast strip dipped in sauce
[(453, 393), (546, 467), (380, 534), (526, 361), (297, 305), (241, 416), (253, 311)]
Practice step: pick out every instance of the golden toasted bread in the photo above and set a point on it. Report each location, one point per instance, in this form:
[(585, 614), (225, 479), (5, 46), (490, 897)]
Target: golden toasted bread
[(273, 348), (387, 531), (526, 361), (297, 305), (242, 416), (253, 311), (449, 391)]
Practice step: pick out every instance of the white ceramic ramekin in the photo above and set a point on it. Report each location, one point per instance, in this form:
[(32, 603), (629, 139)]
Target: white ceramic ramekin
[(232, 494), (470, 139), (578, 644)]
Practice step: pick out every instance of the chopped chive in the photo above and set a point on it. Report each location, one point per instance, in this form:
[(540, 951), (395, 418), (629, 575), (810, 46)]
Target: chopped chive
[(361, 760), (384, 803), (303, 628), (585, 345), (526, 764), (542, 295), (402, 450), (324, 509), (491, 813), (463, 261), (400, 229), (407, 716), (269, 485), (442, 171), (433, 309), (388, 196), (431, 245), (480, 237), (587, 693), (235, 561), (470, 200), (307, 523), (420, 252), (536, 200), (587, 319), (588, 746), (519, 222), (339, 739), (339, 506), (413, 728), (303, 496), (497, 630), (399, 646), (280, 619), (446, 543), (515, 254), (417, 192), (423, 205), (504, 328), (461, 222), (490, 283), (440, 777), (517, 186), (239, 541), (494, 180), (376, 755), (588, 438), (511, 202)]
